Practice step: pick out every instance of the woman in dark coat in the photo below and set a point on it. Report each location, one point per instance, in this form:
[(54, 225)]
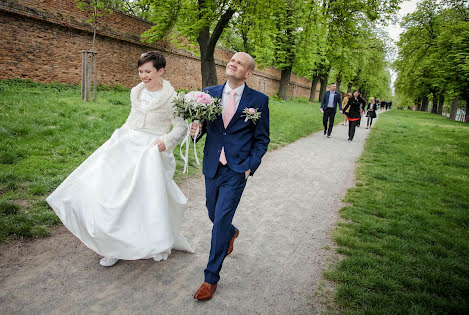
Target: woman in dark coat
[(371, 112), (356, 103)]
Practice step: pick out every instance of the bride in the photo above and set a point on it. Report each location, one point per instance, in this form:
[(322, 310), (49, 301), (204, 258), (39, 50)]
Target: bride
[(122, 201)]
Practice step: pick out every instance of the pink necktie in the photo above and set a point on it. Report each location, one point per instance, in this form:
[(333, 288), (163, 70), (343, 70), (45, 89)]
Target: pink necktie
[(230, 110)]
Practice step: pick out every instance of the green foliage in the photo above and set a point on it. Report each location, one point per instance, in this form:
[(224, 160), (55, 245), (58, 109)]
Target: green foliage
[(46, 132), (433, 51), (406, 229), (96, 7)]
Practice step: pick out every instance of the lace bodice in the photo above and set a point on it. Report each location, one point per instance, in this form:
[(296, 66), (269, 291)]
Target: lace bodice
[(153, 112)]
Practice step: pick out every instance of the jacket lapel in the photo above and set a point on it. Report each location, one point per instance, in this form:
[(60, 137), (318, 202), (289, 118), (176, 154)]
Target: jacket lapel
[(218, 93)]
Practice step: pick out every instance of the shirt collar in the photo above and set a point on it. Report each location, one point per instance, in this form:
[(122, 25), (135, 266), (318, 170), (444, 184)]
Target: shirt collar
[(239, 90)]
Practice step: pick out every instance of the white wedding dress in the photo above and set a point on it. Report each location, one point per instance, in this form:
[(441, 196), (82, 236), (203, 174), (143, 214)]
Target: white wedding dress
[(122, 201)]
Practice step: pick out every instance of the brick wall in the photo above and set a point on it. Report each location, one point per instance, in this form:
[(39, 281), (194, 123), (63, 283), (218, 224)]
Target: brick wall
[(42, 40)]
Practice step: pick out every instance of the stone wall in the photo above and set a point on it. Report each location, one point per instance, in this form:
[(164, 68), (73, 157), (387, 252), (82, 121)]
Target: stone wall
[(43, 40)]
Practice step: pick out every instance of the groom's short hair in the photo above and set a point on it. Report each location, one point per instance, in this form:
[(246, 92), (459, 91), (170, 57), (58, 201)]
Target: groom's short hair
[(155, 57), (252, 63)]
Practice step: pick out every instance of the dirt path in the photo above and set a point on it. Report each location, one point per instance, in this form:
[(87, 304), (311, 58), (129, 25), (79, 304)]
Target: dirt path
[(285, 218)]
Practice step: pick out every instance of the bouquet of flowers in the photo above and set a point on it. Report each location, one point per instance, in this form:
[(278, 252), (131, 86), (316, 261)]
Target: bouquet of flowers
[(195, 106)]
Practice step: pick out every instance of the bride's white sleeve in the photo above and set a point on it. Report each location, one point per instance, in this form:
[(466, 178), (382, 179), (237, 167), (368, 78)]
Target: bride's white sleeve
[(176, 134), (172, 138)]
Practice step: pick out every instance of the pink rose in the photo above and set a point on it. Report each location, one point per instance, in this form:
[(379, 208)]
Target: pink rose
[(251, 111), (204, 98)]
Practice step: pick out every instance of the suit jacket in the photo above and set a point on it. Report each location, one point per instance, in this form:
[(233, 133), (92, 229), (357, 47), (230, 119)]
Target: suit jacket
[(245, 142), (337, 100)]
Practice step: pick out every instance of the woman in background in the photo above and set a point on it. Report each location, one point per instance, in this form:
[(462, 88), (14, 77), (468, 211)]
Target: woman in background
[(371, 112), (344, 115), (354, 107)]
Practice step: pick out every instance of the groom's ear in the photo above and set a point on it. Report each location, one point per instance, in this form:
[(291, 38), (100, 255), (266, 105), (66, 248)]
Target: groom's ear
[(248, 74)]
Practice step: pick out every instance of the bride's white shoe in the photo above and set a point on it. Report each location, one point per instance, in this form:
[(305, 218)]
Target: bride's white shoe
[(160, 257), (108, 262)]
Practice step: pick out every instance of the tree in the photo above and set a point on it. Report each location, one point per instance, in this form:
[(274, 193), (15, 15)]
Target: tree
[(417, 65), (433, 54), (202, 21), (453, 48), (96, 8)]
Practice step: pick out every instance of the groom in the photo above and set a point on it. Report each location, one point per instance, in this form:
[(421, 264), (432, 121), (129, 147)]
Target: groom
[(233, 151)]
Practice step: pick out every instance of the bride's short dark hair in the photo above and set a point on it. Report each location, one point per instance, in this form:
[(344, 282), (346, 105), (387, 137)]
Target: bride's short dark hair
[(155, 57)]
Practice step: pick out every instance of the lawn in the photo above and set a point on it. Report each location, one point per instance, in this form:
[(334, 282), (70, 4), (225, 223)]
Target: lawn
[(46, 132), (405, 233)]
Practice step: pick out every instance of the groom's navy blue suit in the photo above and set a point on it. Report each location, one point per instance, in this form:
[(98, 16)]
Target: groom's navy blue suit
[(244, 142)]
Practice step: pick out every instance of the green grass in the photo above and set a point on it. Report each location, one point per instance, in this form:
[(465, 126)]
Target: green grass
[(46, 132), (406, 235)]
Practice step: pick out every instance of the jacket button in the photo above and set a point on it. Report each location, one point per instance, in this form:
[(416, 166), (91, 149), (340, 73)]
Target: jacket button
[(224, 133)]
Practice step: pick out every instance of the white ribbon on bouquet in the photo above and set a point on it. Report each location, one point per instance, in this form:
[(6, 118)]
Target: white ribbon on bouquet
[(187, 142)]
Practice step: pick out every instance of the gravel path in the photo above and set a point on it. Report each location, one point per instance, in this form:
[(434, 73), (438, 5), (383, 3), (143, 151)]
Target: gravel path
[(285, 218)]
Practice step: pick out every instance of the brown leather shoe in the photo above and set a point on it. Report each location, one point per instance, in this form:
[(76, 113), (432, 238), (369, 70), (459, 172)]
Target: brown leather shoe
[(205, 291), (230, 249)]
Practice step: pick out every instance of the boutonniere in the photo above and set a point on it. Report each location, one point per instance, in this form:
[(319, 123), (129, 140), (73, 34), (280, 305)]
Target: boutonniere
[(251, 114)]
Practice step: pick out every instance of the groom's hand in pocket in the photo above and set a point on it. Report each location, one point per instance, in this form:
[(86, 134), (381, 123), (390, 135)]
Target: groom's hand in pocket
[(160, 144)]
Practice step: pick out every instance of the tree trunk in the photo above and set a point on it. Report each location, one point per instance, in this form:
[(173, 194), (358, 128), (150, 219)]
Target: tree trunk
[(424, 107), (284, 81), (441, 101), (207, 44), (95, 26), (207, 59), (435, 103), (322, 90), (209, 71), (339, 81), (467, 110), (454, 108), (314, 85), (349, 88), (419, 100)]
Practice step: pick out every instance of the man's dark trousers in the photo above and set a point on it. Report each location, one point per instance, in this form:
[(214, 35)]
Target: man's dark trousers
[(329, 115), (223, 194)]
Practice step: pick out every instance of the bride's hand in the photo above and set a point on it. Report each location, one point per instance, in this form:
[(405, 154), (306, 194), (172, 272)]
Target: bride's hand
[(194, 129), (160, 144)]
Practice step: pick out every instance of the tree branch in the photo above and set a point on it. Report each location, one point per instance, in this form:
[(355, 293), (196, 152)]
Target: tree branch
[(222, 23)]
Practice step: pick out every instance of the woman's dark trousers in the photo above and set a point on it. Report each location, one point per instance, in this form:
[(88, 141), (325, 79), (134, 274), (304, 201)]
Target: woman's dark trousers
[(351, 128)]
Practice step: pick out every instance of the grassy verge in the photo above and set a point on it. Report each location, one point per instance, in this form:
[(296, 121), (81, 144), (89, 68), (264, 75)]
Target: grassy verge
[(46, 132), (405, 238)]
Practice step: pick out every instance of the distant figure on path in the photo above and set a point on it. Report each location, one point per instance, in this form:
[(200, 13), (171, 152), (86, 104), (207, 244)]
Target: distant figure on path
[(356, 103), (329, 108), (344, 114), (371, 112), (122, 201)]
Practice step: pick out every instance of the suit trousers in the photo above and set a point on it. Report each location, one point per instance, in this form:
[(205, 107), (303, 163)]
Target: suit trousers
[(223, 193), (329, 115), (351, 128)]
